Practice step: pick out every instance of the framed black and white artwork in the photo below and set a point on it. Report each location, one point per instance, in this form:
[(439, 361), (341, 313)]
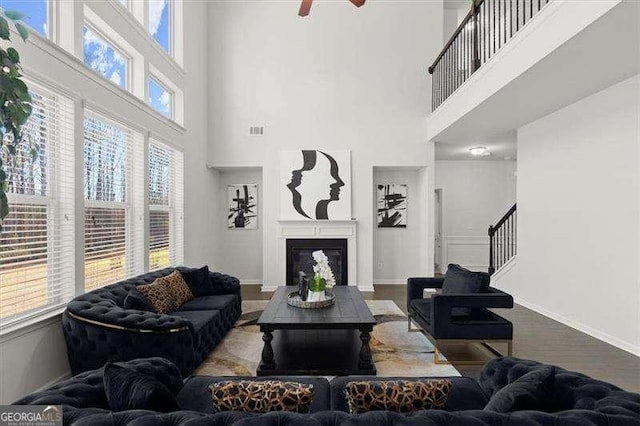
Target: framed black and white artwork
[(243, 206), (392, 206), (315, 185)]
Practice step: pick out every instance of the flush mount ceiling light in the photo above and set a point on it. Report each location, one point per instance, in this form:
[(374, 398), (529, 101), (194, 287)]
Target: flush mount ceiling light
[(479, 151), (305, 7)]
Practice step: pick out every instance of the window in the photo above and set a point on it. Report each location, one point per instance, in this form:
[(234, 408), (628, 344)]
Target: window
[(103, 58), (36, 243), (165, 206), (113, 223), (34, 11), (160, 23), (160, 98)]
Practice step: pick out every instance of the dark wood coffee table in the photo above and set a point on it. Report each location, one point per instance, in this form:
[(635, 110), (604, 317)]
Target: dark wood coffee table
[(328, 341)]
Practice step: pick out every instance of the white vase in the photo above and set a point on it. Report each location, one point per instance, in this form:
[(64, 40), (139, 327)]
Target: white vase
[(316, 296)]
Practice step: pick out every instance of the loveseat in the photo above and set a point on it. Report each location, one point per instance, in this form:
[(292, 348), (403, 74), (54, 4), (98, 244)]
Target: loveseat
[(581, 400), (98, 328)]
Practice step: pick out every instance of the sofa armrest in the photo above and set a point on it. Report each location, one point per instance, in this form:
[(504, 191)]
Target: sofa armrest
[(416, 286), (494, 298), (86, 390), (225, 284), (130, 320)]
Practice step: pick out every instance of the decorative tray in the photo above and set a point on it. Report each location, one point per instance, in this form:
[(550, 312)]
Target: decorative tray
[(293, 299)]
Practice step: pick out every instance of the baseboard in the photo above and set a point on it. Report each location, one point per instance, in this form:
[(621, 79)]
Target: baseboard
[(502, 271), (392, 281), (250, 282), (607, 338)]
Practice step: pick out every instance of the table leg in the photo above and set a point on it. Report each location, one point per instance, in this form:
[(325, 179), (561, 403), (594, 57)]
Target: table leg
[(366, 361), (267, 362)]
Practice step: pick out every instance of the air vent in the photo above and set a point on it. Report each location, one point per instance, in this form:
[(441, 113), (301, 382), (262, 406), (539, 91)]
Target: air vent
[(256, 130)]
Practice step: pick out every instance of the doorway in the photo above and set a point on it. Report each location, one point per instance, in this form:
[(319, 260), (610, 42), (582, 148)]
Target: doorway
[(438, 267)]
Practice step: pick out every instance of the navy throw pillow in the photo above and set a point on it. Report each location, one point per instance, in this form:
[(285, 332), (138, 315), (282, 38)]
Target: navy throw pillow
[(533, 391), (135, 300), (129, 390), (198, 281), (459, 280)]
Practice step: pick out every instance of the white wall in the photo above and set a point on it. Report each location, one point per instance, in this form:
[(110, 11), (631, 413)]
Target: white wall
[(240, 250), (397, 251), (578, 216), (341, 78), (475, 194), (35, 356)]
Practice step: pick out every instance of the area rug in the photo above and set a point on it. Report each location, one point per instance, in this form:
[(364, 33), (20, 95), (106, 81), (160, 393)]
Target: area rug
[(396, 351)]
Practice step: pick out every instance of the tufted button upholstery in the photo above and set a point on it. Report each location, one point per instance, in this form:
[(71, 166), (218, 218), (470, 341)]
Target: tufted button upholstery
[(575, 391), (98, 329), (86, 390), (84, 404), (97, 417)]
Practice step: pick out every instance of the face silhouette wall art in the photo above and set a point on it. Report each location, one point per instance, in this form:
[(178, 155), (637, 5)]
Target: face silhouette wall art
[(315, 185)]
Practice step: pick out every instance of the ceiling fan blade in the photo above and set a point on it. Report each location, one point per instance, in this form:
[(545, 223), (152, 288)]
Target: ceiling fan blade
[(305, 7), (357, 3)]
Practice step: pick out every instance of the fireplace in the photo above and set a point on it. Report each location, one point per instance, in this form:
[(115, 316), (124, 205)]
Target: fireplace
[(299, 258)]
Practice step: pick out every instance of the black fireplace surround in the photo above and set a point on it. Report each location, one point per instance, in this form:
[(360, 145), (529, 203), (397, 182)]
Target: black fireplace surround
[(299, 258)]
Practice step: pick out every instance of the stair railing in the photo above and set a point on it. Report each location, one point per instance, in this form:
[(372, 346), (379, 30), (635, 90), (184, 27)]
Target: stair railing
[(488, 26), (503, 238)]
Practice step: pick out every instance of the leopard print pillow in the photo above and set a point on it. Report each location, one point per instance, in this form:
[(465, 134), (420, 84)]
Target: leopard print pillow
[(396, 395), (159, 296), (178, 288), (262, 397)]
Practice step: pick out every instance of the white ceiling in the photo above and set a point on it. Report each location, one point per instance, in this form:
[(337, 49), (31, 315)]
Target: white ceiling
[(500, 146)]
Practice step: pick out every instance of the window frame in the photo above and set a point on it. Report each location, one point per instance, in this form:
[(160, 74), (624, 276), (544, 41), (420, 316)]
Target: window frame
[(87, 23), (57, 145), (132, 204), (171, 23), (172, 107)]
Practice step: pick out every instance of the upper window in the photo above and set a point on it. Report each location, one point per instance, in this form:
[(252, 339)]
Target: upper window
[(104, 58), (36, 241), (160, 22), (160, 98), (34, 11)]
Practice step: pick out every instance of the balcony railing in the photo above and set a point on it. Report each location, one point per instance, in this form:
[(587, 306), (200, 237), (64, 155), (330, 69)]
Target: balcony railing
[(488, 26)]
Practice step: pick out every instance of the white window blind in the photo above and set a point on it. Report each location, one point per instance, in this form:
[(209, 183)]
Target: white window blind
[(114, 201), (165, 206), (37, 238)]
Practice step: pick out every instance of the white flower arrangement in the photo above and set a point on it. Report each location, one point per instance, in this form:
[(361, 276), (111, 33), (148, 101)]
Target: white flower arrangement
[(322, 268)]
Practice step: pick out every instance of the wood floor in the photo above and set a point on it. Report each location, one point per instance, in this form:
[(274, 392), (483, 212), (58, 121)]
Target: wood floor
[(535, 337)]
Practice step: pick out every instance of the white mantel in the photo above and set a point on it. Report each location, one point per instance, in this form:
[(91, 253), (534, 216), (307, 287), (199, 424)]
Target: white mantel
[(320, 229)]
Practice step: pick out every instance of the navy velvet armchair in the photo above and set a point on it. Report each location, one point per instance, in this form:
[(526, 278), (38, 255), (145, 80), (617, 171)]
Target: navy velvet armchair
[(460, 311)]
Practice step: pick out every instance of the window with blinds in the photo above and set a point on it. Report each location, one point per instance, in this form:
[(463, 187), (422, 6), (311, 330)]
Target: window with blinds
[(165, 206), (114, 201), (36, 242)]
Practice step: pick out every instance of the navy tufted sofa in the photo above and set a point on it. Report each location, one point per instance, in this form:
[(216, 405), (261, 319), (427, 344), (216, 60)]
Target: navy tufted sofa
[(587, 402), (98, 329)]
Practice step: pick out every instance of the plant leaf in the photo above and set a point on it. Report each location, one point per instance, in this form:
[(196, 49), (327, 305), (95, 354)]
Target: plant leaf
[(23, 31), (4, 29), (13, 55), (14, 15)]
